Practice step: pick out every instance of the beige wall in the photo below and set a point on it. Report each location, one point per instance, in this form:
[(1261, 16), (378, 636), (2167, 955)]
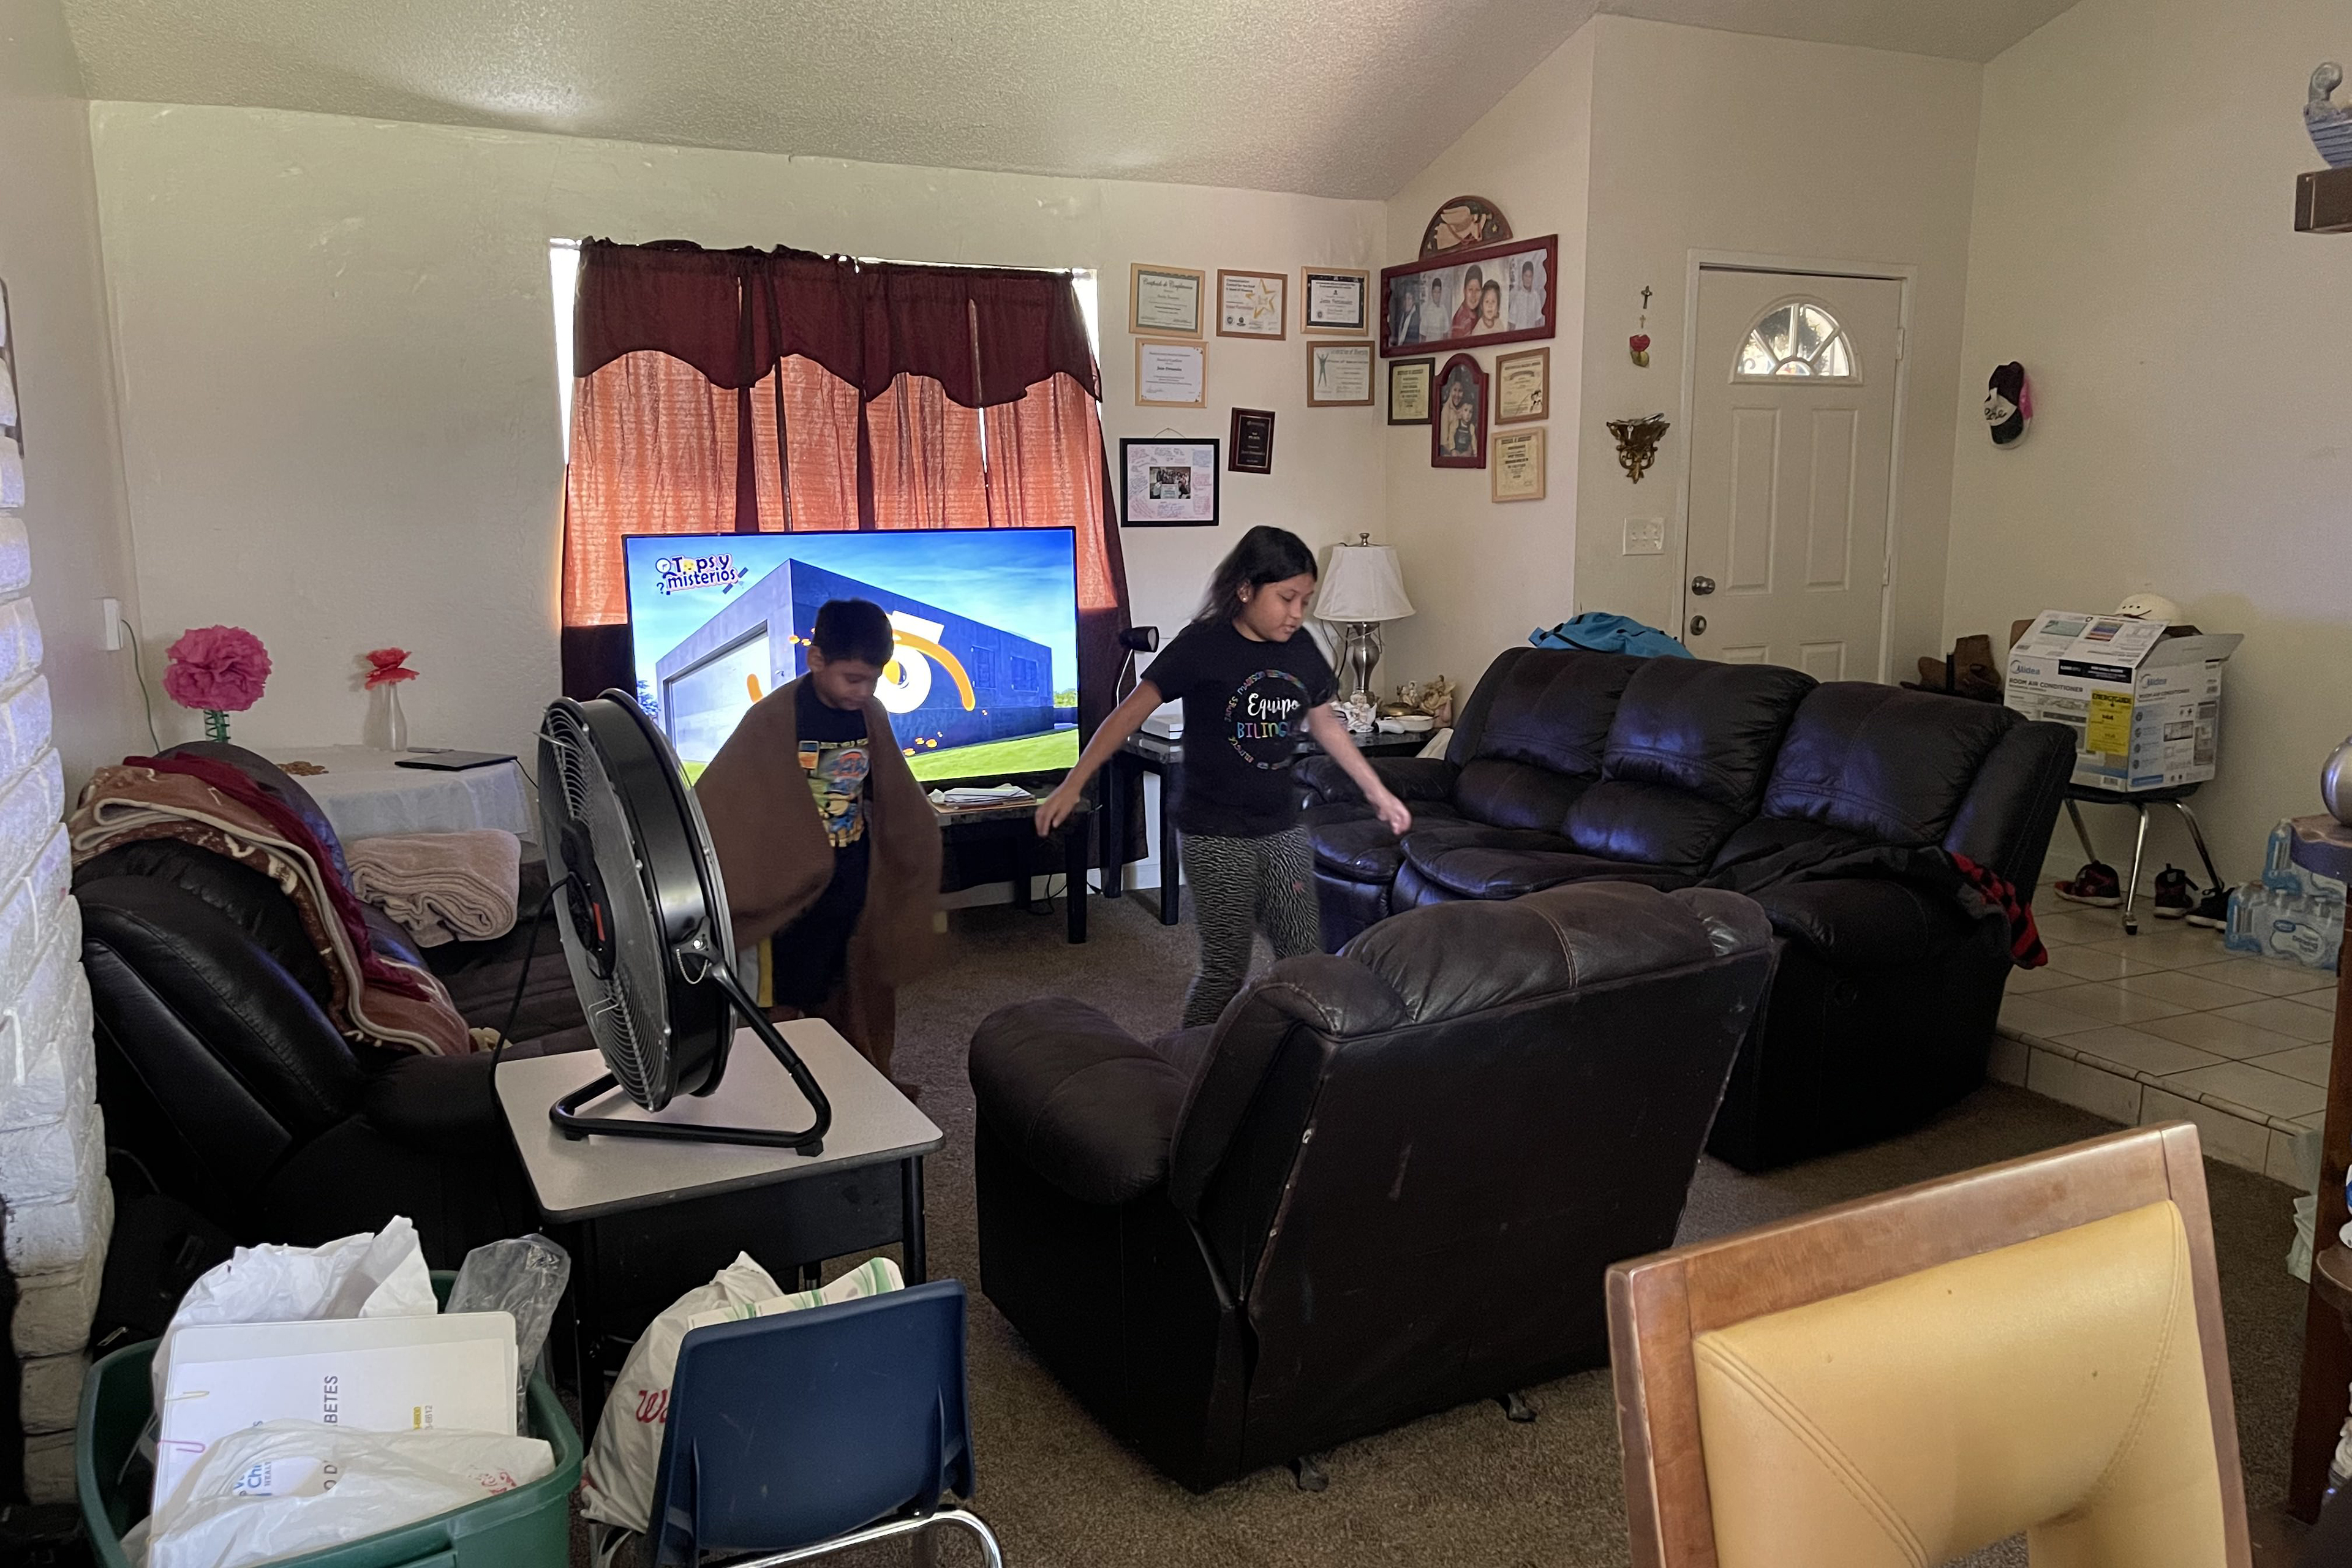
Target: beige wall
[(2192, 358), (339, 408), (1481, 574), (1727, 141), (73, 475)]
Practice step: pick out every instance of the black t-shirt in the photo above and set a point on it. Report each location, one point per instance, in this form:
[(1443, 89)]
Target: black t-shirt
[(811, 955), (1245, 707)]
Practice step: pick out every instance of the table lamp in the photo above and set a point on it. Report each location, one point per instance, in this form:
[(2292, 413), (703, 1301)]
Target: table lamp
[(1361, 587)]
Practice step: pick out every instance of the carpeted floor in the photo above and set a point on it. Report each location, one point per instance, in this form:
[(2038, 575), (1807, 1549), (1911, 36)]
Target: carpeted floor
[(1464, 1487)]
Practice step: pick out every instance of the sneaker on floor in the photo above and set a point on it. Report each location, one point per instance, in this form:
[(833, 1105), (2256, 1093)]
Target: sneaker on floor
[(2212, 910), (2096, 883), (2175, 897)]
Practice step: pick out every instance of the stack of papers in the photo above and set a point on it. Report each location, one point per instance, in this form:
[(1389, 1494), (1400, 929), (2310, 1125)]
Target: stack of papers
[(996, 794)]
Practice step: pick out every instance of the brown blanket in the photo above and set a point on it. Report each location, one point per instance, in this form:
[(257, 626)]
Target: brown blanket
[(399, 1005), (444, 886), (775, 858)]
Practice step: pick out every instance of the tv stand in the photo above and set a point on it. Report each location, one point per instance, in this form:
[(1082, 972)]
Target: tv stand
[(1014, 824)]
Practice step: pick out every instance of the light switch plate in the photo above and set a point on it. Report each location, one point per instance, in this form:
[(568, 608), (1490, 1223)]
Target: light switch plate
[(1645, 536)]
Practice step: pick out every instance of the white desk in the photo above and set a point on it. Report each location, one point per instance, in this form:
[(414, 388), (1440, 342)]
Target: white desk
[(365, 792), (647, 1219)]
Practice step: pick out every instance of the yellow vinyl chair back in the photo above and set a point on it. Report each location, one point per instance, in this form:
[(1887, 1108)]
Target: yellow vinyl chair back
[(2036, 1347)]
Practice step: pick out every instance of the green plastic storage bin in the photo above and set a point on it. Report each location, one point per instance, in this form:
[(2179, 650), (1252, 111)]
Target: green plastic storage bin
[(529, 1527)]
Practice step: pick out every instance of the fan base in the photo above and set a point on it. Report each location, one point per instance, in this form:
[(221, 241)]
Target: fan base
[(565, 1114)]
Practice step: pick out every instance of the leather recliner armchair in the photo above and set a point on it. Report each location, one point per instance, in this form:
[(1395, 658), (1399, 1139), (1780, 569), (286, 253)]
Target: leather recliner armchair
[(221, 1073), (1569, 766), (1383, 1182)]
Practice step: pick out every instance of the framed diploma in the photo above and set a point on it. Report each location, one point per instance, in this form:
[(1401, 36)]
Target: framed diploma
[(1252, 304), (1335, 299), (1171, 374), (1252, 441), (1339, 375), (1517, 469), (1168, 483), (1409, 382), (1522, 386), (1164, 299)]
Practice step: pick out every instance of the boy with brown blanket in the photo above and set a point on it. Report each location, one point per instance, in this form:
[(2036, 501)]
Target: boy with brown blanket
[(829, 849)]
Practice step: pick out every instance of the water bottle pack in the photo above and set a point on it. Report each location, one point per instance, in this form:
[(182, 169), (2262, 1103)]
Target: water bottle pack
[(2291, 913)]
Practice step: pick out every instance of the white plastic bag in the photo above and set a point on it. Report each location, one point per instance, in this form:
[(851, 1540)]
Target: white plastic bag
[(378, 1274), (616, 1484), (289, 1487)]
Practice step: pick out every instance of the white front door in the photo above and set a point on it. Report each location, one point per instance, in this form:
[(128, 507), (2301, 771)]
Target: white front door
[(1792, 444)]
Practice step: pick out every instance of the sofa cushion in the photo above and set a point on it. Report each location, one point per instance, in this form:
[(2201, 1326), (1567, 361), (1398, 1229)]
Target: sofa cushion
[(1770, 835), (1087, 1107), (1889, 764), (1650, 824), (1518, 795), (1550, 708), (1360, 847), (1860, 923), (1480, 872)]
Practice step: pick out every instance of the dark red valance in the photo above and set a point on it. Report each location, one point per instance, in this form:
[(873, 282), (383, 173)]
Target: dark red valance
[(985, 334)]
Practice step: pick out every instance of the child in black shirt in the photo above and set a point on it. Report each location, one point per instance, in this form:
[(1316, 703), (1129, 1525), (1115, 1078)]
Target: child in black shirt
[(1252, 693)]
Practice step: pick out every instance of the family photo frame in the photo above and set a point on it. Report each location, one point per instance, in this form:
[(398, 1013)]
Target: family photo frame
[(1168, 482), (1457, 429), (1501, 293)]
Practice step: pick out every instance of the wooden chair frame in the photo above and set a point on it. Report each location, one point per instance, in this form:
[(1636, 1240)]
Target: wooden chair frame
[(1658, 1304)]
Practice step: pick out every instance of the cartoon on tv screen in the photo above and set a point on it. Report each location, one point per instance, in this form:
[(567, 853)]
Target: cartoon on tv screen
[(985, 681)]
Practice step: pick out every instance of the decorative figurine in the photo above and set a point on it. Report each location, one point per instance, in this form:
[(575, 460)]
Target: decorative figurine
[(2330, 127)]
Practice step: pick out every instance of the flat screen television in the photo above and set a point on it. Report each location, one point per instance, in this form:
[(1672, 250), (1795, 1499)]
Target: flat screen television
[(984, 685)]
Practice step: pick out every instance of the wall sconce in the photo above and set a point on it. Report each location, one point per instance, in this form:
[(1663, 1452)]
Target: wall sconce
[(1637, 442)]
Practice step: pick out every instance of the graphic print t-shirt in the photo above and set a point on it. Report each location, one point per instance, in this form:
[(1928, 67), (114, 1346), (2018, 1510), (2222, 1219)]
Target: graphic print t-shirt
[(1245, 707), (810, 956)]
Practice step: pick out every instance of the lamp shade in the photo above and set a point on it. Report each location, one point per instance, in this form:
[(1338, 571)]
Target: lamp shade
[(1362, 584)]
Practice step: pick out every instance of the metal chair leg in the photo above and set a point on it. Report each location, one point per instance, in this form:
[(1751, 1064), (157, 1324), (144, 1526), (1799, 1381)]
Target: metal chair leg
[(2074, 812), (963, 1518), (2197, 837), (2131, 883)]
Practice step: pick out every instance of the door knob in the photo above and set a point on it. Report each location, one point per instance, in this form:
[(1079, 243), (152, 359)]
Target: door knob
[(1699, 625), (1702, 585)]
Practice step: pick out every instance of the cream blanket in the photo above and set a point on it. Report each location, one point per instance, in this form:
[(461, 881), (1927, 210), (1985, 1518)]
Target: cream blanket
[(444, 886)]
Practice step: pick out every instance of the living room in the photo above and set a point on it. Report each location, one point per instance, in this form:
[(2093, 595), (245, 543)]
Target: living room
[(288, 289)]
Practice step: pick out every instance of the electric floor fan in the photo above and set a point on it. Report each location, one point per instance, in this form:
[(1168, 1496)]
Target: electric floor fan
[(643, 914)]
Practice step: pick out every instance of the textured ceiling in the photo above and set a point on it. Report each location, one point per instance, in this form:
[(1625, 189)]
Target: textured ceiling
[(1340, 98)]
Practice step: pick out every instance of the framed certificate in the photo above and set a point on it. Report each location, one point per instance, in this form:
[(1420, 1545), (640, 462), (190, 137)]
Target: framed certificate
[(1252, 304), (1522, 386), (1171, 374), (1164, 299), (1252, 441), (1518, 465), (1409, 383), (1168, 483), (1339, 375), (1335, 299)]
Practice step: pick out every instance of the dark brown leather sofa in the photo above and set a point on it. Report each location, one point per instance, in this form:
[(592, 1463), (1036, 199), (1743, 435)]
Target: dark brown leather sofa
[(1385, 1183), (1570, 766)]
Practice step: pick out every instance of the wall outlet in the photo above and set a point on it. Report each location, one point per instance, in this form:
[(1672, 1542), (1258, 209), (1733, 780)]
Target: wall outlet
[(1645, 536), (111, 639)]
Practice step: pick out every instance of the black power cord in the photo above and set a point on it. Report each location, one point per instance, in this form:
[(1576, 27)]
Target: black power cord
[(522, 981)]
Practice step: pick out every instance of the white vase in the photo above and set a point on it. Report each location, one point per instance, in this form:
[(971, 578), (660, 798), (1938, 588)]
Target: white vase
[(387, 726)]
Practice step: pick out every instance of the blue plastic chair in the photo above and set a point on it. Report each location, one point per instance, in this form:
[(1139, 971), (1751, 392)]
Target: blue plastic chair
[(800, 1434)]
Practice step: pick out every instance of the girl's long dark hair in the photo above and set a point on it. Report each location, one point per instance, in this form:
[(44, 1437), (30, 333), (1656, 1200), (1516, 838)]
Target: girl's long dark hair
[(1264, 556)]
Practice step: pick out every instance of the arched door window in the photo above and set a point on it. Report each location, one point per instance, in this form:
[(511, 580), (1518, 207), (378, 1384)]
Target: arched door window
[(1798, 338)]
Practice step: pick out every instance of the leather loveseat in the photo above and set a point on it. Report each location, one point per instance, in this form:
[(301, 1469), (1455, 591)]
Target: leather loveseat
[(1568, 766), (1384, 1183), (221, 1073)]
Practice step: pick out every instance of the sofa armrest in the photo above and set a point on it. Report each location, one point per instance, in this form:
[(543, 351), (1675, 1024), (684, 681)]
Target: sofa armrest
[(1082, 1102), (436, 1102), (1410, 779)]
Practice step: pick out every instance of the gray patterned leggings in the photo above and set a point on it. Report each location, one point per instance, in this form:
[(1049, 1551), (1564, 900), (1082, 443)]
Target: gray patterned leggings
[(1241, 885)]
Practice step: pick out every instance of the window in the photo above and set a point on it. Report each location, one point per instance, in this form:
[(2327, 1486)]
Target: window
[(1796, 339)]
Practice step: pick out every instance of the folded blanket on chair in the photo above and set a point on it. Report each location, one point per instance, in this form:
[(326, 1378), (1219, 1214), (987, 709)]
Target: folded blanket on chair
[(374, 999), (442, 886)]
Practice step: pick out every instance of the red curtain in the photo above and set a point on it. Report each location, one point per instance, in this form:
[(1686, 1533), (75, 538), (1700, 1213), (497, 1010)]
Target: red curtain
[(750, 391)]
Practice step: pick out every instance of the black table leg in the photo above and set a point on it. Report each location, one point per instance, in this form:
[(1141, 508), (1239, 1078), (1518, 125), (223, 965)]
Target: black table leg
[(1114, 827), (910, 1221), (1074, 869), (1171, 866)]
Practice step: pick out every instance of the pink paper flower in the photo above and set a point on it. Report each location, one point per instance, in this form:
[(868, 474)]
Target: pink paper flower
[(390, 666), (220, 668)]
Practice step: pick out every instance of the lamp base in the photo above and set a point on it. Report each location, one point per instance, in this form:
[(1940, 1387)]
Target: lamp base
[(1359, 657)]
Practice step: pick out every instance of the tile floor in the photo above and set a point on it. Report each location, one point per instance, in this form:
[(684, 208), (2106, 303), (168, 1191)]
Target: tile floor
[(2168, 1024)]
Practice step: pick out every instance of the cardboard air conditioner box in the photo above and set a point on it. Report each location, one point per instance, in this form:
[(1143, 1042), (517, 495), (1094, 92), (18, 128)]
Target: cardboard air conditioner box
[(2145, 709)]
